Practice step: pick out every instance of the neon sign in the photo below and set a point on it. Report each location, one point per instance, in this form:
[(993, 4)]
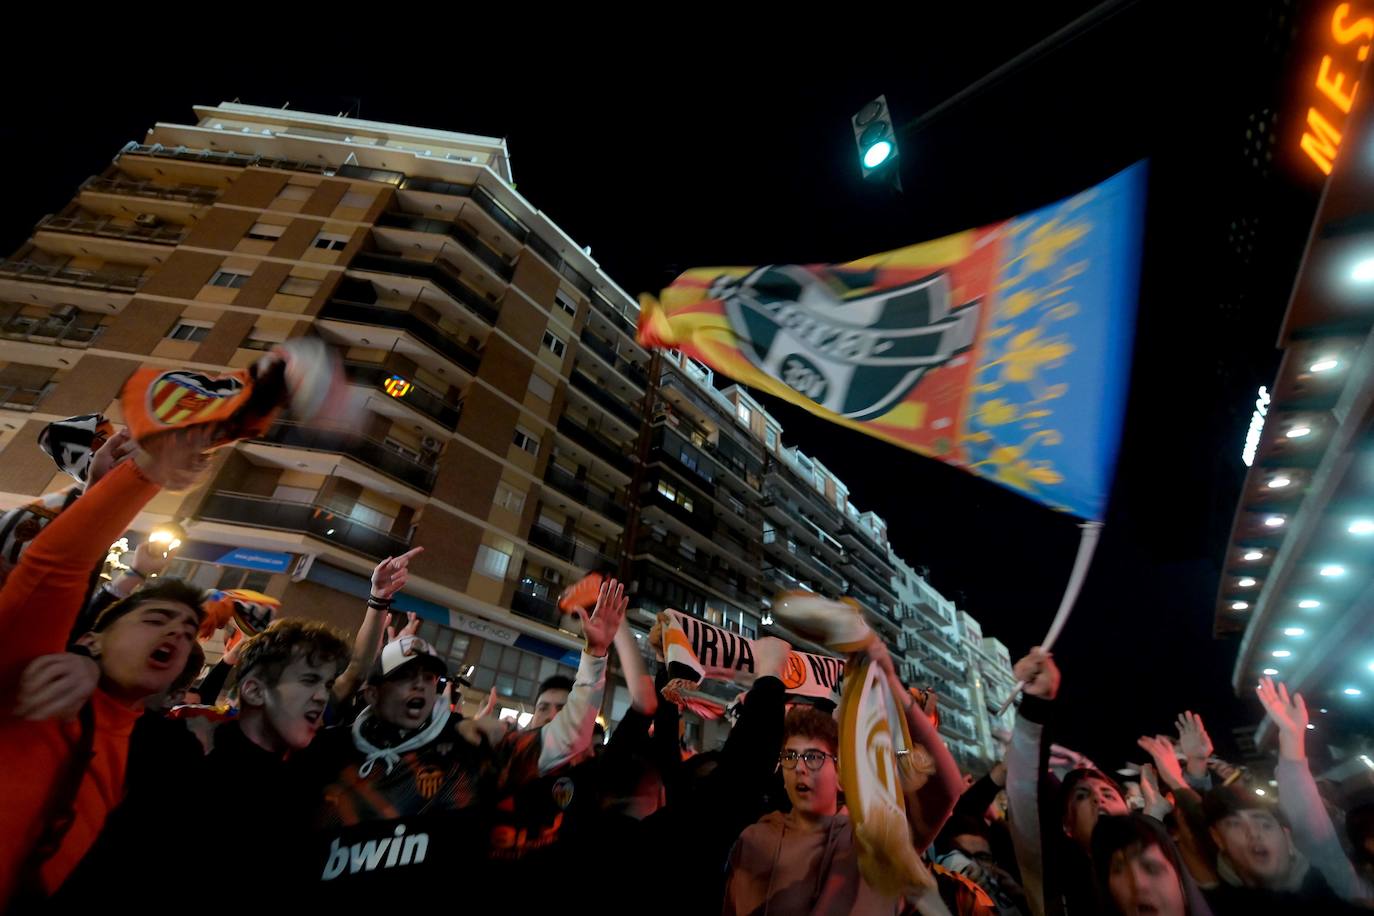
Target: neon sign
[(1252, 436), (397, 386), (1336, 82)]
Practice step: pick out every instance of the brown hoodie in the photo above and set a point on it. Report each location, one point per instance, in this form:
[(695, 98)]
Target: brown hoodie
[(776, 868)]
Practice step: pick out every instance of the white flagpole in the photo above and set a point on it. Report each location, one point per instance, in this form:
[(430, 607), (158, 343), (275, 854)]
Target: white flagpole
[(1087, 543)]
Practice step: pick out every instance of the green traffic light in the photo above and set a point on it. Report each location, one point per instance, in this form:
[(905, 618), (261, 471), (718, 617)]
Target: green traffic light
[(877, 154)]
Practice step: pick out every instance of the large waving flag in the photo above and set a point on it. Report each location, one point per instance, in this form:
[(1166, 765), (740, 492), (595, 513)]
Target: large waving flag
[(1004, 350)]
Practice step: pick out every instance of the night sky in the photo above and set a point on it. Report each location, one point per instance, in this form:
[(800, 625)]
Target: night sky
[(731, 145)]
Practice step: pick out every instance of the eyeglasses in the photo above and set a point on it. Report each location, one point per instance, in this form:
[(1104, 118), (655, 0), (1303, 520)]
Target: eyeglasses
[(814, 760)]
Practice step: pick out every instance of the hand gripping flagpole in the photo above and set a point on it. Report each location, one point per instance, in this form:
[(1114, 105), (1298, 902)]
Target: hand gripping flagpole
[(1087, 543)]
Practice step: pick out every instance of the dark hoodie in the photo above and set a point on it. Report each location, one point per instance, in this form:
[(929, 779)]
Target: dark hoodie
[(1113, 834)]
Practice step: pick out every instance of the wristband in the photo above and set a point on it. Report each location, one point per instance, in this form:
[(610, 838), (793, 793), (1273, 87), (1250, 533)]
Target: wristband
[(133, 572)]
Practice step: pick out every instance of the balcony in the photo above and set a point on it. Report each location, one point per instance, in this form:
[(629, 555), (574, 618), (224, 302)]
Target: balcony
[(426, 401), (370, 452), (68, 328), (701, 522), (223, 157), (18, 397), (470, 242), (430, 335), (439, 273), (527, 603), (592, 498), (608, 311), (614, 455), (189, 194), (70, 276), (315, 520), (606, 350), (578, 553), (607, 402), (107, 228)]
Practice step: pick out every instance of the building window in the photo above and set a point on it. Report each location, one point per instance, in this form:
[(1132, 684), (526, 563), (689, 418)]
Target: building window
[(742, 411), (257, 343), (771, 437), (229, 279), (509, 498), (541, 388), (684, 501), (266, 232), (299, 286), (331, 241), (667, 490), (554, 344), (526, 440), (251, 579), (447, 642), (190, 330), (491, 562), (565, 302), (514, 672)]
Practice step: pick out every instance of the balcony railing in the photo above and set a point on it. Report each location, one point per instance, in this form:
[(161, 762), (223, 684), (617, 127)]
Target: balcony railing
[(429, 334), (604, 503), (608, 402), (18, 397), (370, 452), (70, 276), (190, 194), (632, 371), (616, 455), (536, 607), (109, 229), (437, 272), (577, 552), (475, 246), (316, 520), (428, 402), (66, 332), (223, 157)]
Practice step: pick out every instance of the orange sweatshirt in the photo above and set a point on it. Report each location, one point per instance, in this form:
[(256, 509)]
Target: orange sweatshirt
[(38, 607)]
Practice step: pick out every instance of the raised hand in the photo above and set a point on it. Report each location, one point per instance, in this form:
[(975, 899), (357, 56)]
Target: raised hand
[(391, 574), (488, 707), (1289, 716), (410, 629), (598, 628), (1194, 742), (1157, 805), (1161, 750), (116, 448), (1039, 673), (175, 460), (56, 686)]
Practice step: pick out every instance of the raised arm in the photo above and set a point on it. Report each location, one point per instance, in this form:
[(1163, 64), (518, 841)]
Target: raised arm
[(388, 579), (570, 732), (1301, 803)]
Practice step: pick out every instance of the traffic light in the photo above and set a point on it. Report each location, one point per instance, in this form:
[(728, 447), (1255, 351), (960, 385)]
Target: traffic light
[(876, 139)]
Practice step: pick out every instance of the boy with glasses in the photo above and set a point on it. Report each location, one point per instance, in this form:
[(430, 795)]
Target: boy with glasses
[(806, 861)]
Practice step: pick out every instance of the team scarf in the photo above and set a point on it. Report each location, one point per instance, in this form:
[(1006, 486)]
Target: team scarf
[(696, 650), (73, 442), (20, 525), (252, 611), (302, 373)]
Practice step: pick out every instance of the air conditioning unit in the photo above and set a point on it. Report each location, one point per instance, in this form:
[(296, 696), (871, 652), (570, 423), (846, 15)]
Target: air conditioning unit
[(429, 444), (148, 220), (554, 577)]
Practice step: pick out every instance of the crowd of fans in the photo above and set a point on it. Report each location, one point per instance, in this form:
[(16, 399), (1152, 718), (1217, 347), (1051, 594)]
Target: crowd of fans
[(311, 768)]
